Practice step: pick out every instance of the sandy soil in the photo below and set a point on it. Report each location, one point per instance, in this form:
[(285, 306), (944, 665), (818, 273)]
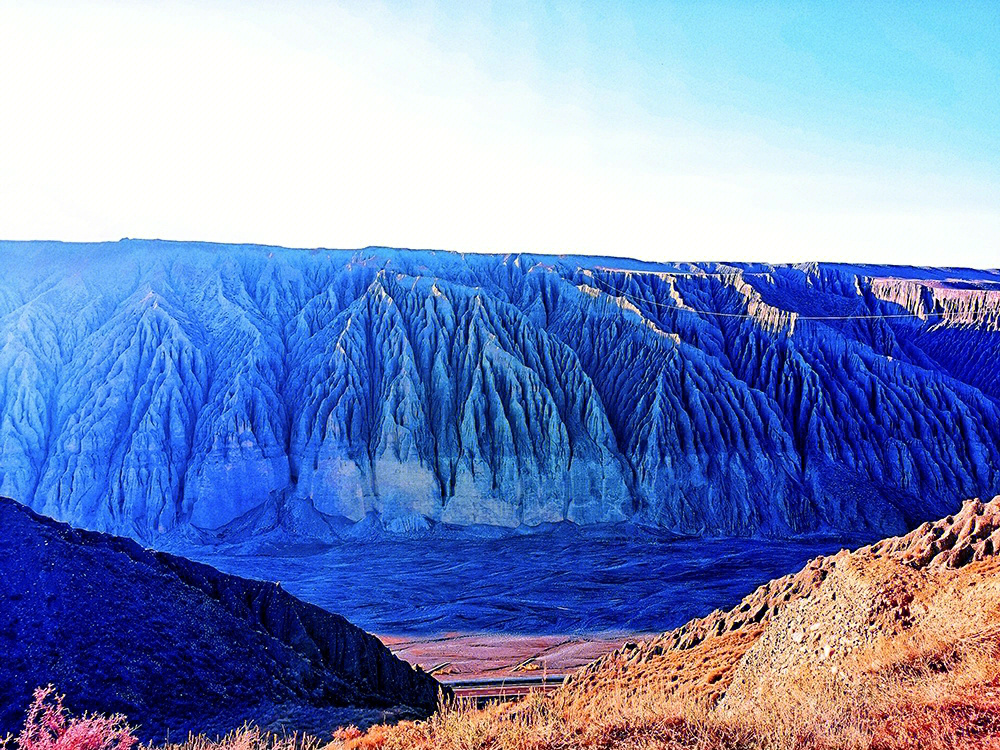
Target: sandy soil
[(455, 657)]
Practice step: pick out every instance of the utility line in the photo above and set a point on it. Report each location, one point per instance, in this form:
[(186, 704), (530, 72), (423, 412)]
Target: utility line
[(637, 302)]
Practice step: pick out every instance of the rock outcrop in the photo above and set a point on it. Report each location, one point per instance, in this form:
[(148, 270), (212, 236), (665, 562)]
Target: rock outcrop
[(839, 619), (178, 646), (154, 388), (971, 535)]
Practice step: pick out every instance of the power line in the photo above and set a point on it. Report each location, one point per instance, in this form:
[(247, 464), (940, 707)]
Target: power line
[(688, 274), (638, 302)]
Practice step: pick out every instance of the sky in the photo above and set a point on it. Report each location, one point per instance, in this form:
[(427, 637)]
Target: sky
[(754, 131)]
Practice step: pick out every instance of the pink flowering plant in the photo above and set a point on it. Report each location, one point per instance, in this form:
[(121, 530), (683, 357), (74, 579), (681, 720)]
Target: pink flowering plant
[(49, 726)]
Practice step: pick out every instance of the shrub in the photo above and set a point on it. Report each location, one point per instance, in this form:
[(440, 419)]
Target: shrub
[(49, 726)]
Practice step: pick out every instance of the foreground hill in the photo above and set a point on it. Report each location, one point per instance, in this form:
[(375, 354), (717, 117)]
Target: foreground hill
[(178, 646), (150, 387), (896, 645)]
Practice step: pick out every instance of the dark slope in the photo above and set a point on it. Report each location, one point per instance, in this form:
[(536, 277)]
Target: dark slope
[(150, 387), (178, 646)]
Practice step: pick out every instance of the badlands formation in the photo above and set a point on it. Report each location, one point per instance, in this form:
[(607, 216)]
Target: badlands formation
[(203, 392)]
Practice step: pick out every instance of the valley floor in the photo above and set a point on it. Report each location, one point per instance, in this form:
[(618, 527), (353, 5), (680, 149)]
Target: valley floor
[(588, 585), (460, 657)]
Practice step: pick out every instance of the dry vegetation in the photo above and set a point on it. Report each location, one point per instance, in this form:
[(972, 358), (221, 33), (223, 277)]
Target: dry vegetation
[(932, 695), (248, 738)]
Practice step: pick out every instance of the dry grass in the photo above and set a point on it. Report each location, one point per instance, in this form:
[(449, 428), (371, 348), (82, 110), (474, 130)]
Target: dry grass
[(927, 689), (930, 688), (247, 738), (934, 696)]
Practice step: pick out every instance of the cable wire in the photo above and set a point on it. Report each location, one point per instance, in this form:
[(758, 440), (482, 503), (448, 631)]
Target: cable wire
[(799, 316)]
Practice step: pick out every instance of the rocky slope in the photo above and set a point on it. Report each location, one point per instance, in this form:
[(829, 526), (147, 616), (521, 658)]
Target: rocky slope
[(841, 619), (178, 646), (152, 388)]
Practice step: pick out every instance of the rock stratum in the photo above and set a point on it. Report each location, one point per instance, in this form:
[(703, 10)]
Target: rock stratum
[(178, 646), (150, 388)]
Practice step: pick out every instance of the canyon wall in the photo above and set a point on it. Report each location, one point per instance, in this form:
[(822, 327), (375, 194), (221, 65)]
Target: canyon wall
[(149, 388)]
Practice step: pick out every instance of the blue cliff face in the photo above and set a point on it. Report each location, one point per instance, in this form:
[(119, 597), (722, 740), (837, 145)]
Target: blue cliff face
[(151, 387)]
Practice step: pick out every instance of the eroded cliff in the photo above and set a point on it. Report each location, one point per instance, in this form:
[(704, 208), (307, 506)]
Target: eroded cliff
[(152, 387)]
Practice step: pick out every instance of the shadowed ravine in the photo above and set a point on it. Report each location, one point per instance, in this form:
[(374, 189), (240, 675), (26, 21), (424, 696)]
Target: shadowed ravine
[(178, 646)]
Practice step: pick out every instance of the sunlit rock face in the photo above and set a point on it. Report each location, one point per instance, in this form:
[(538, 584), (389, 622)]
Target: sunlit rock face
[(151, 387)]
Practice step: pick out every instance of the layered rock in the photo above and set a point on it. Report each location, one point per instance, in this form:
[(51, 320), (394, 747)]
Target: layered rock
[(178, 646), (151, 387)]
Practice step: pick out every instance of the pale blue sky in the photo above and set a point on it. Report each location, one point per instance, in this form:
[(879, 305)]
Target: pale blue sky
[(670, 131), (914, 76)]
